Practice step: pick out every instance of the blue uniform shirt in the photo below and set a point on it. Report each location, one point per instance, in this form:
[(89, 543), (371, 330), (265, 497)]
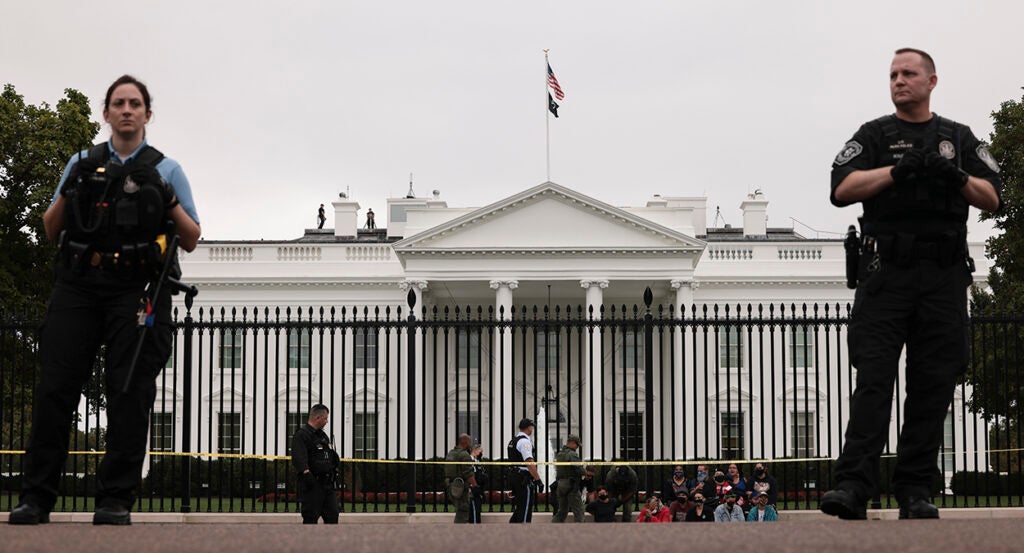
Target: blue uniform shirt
[(169, 169)]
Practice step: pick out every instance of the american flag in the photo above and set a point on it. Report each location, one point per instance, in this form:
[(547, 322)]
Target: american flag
[(553, 83)]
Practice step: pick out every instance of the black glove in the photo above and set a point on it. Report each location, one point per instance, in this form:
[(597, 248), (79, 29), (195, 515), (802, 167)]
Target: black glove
[(944, 169), (909, 166), (167, 194), (67, 189), (538, 485)]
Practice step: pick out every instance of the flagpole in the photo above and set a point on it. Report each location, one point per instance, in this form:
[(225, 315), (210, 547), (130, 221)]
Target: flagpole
[(547, 119)]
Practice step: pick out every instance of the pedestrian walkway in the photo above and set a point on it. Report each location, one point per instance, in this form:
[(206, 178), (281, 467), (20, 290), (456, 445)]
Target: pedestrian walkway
[(279, 534)]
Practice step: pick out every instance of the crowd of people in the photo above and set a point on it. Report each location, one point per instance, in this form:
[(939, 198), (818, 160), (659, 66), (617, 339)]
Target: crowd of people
[(710, 496), (610, 495)]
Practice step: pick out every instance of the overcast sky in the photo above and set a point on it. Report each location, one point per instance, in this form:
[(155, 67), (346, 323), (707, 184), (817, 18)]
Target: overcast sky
[(274, 107)]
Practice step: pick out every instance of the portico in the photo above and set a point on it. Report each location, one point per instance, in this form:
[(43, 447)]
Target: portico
[(545, 250)]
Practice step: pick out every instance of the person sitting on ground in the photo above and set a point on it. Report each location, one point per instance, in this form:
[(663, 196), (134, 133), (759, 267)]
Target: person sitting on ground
[(699, 512), (722, 485), (762, 511), (670, 490), (699, 478), (729, 511), (763, 482), (677, 509), (604, 506), (654, 511), (587, 483), (705, 484), (734, 478)]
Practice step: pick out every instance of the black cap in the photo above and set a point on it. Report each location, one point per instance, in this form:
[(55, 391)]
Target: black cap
[(526, 423)]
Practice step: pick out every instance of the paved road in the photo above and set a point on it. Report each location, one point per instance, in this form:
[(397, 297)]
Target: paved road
[(876, 536)]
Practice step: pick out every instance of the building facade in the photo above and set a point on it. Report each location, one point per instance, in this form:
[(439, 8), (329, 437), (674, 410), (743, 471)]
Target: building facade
[(526, 309)]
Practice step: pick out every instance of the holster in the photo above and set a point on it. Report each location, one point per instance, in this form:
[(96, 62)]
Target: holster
[(852, 246)]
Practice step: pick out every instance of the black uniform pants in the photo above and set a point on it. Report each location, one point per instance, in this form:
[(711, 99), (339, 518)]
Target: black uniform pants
[(85, 311), (319, 499), (923, 306), (525, 497)]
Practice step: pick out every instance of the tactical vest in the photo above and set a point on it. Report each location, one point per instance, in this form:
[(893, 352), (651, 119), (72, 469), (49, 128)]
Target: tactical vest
[(565, 455), (115, 213), (452, 472), (323, 459), (513, 451), (923, 205)]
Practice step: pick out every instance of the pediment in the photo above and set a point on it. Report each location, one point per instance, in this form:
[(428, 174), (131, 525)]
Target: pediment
[(547, 218)]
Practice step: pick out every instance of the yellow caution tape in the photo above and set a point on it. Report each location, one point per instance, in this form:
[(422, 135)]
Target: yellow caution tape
[(507, 463)]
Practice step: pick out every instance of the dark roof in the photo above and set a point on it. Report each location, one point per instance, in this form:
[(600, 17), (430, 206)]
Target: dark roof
[(735, 234), (372, 236), (323, 236)]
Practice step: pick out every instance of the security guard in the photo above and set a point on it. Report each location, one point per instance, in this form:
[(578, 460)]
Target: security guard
[(570, 478), (460, 481), (525, 479), (916, 174), (621, 482), (476, 451), (316, 464), (109, 217)]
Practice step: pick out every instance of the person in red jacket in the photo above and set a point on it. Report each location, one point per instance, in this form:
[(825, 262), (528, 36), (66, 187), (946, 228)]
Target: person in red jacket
[(654, 511)]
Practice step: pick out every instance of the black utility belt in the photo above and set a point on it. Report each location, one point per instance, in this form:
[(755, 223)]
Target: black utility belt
[(908, 247), (128, 258)]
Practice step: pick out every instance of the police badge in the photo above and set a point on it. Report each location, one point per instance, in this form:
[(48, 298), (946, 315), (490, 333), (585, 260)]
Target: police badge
[(130, 186), (851, 150), (947, 150)]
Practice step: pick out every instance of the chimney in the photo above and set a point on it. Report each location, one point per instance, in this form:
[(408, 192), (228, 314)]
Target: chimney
[(755, 215), (346, 218)]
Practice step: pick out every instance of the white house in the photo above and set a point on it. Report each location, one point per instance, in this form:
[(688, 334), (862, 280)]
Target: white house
[(742, 387)]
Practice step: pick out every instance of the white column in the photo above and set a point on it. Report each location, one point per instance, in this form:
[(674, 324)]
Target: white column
[(684, 299), (501, 378), (593, 422), (418, 287)]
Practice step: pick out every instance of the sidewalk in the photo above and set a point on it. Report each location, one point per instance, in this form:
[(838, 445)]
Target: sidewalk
[(282, 533)]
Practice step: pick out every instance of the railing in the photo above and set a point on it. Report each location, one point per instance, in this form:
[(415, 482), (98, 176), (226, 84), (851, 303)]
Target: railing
[(730, 253), (715, 384)]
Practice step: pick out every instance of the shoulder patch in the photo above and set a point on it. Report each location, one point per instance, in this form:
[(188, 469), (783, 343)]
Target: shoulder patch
[(851, 150), (986, 157)]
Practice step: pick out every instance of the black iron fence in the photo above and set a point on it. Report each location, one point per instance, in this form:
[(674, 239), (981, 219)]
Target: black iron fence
[(714, 385)]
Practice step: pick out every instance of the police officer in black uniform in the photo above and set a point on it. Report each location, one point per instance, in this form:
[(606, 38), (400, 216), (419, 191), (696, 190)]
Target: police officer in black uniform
[(916, 174), (525, 479), (113, 218), (316, 464)]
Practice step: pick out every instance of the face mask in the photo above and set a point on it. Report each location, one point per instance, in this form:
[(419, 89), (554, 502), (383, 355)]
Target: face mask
[(719, 479), (602, 497), (698, 501), (702, 476), (678, 474), (760, 472)]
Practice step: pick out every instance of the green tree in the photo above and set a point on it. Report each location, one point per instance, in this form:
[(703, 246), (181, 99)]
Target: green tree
[(997, 335), (35, 144)]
